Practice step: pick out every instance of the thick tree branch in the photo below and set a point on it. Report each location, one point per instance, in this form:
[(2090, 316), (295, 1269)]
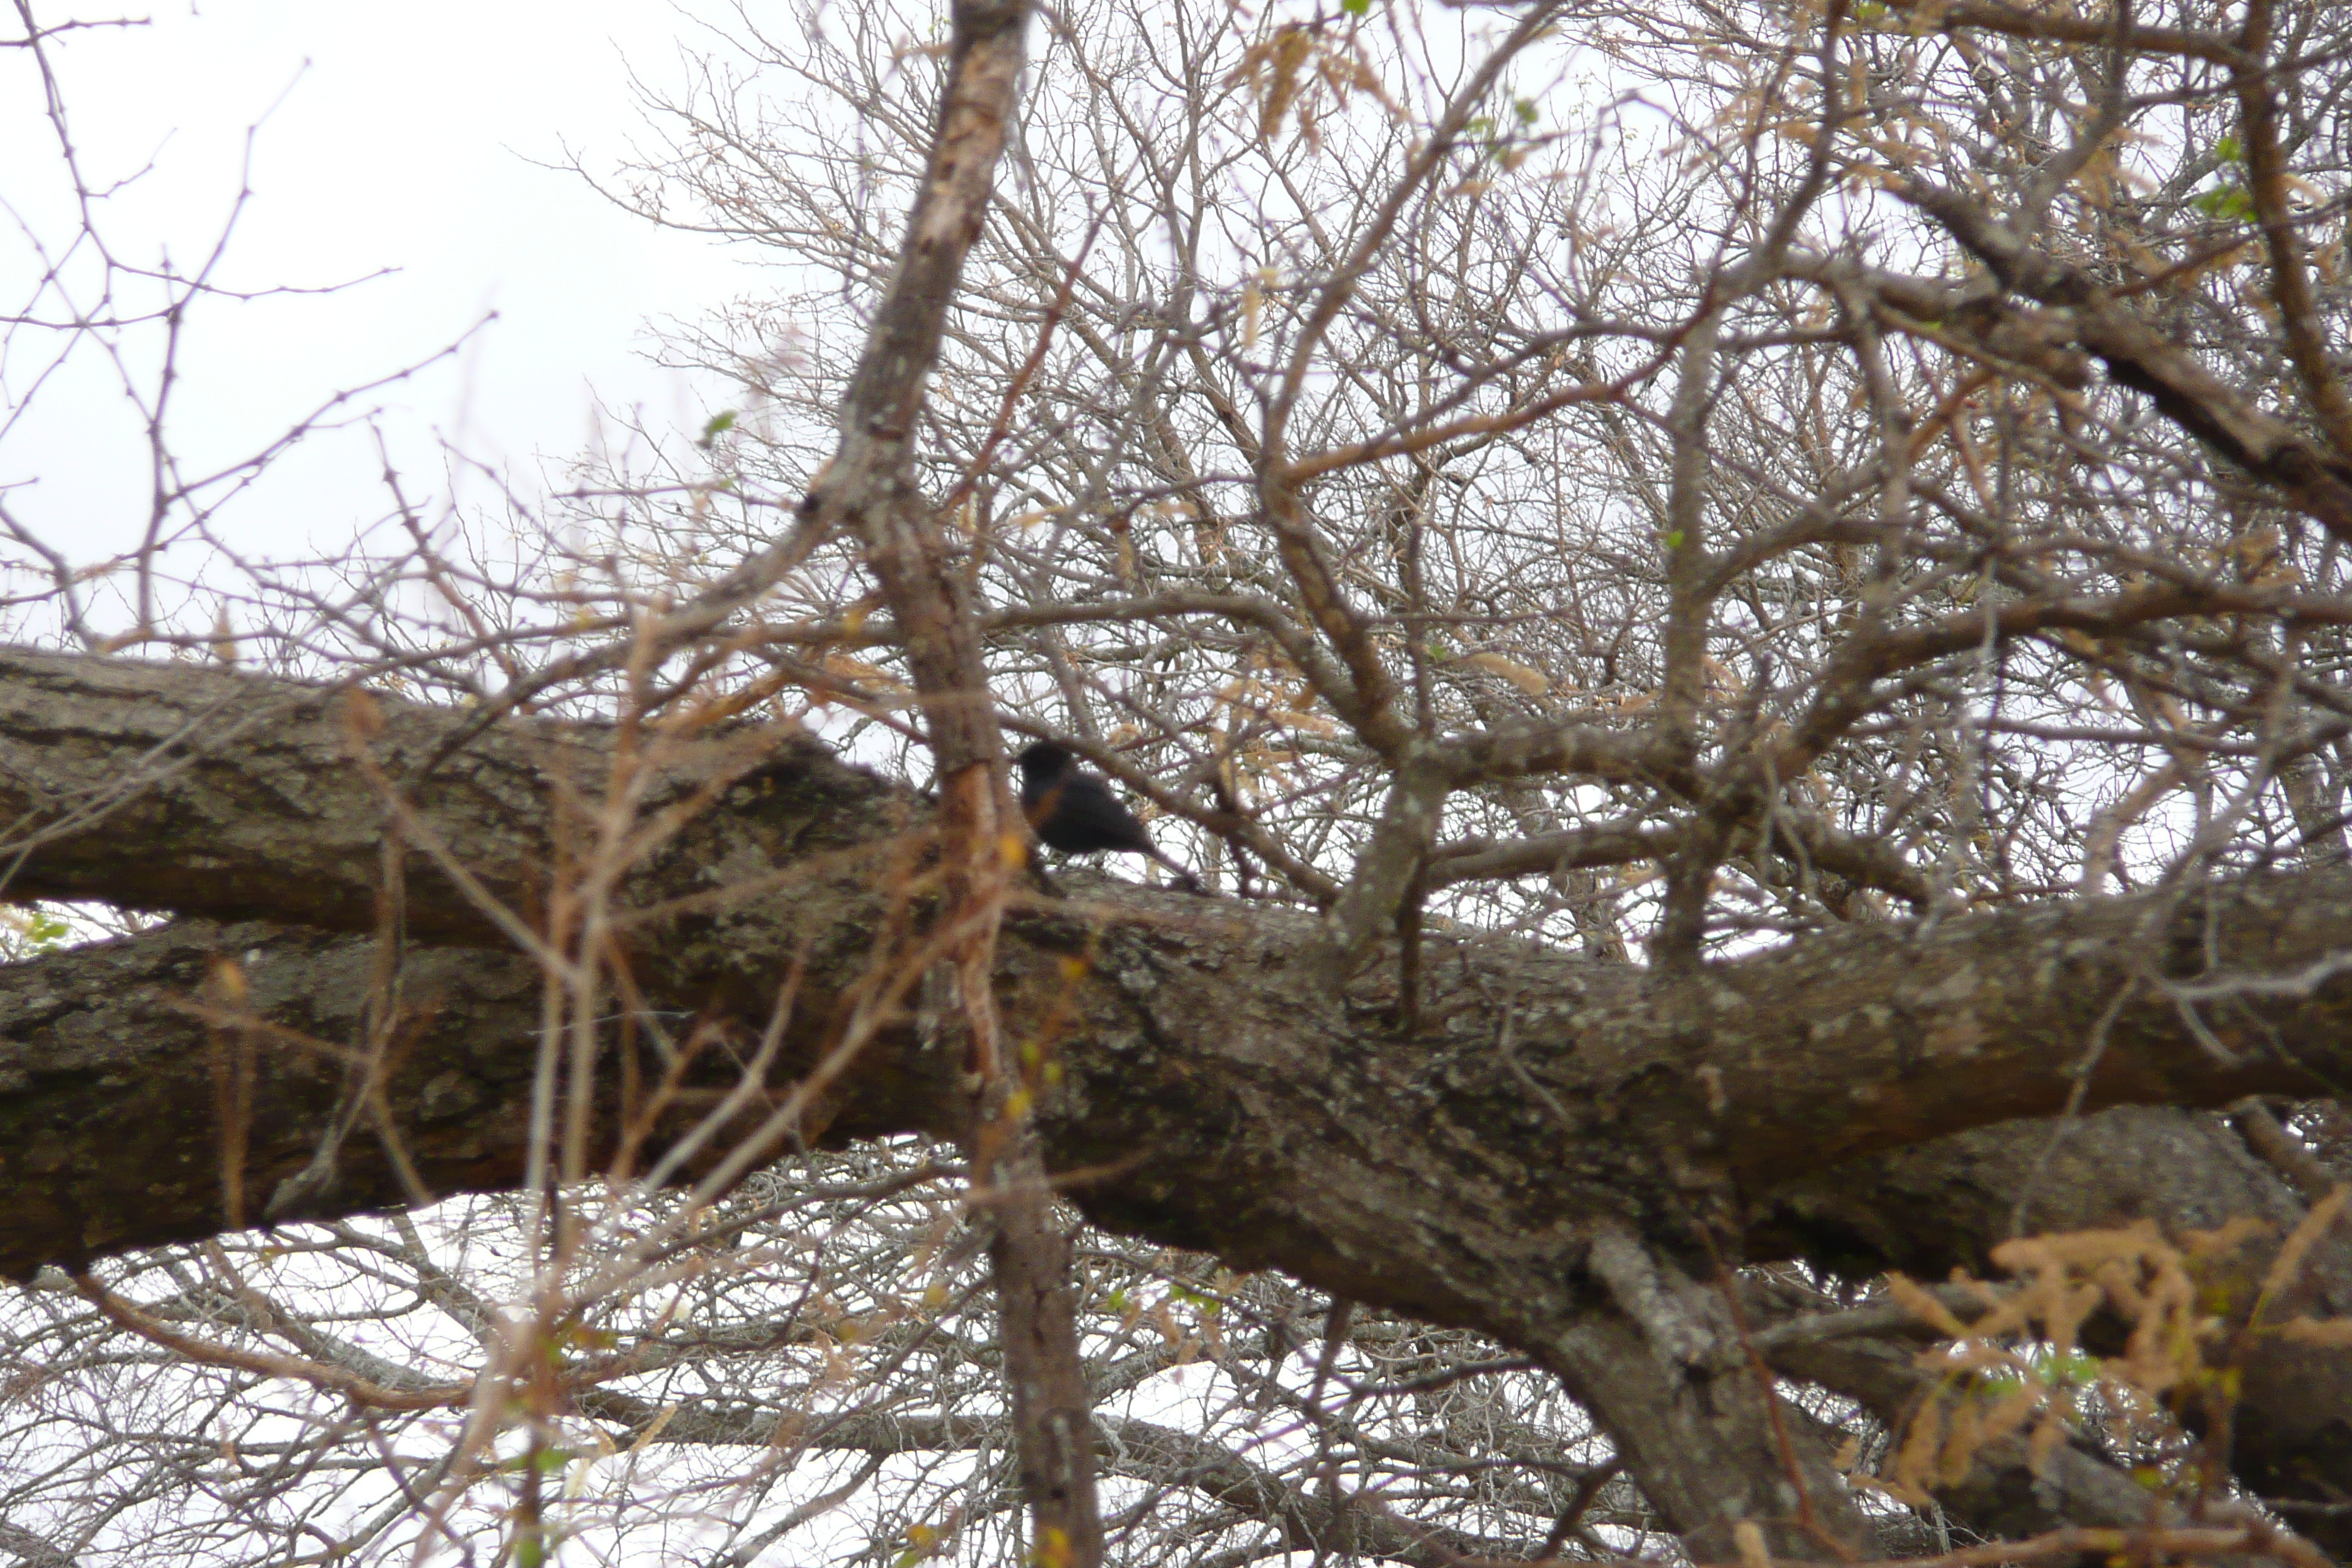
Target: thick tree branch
[(1769, 1068), (1465, 1172)]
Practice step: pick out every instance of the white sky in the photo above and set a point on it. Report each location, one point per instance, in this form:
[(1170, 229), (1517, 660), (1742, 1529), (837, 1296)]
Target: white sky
[(401, 137)]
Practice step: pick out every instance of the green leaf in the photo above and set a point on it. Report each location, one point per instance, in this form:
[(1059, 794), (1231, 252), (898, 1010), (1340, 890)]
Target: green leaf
[(2228, 151), (717, 425), (1356, 8), (2228, 203), (546, 1461), (44, 932)]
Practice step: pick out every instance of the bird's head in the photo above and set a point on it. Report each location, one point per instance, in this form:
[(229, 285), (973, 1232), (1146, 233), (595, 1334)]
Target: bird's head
[(1044, 760)]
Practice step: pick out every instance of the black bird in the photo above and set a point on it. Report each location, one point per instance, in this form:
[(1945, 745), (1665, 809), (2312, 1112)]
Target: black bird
[(1074, 810)]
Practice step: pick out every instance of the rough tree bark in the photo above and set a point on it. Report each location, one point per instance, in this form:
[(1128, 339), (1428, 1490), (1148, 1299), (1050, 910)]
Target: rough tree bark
[(1561, 1154)]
